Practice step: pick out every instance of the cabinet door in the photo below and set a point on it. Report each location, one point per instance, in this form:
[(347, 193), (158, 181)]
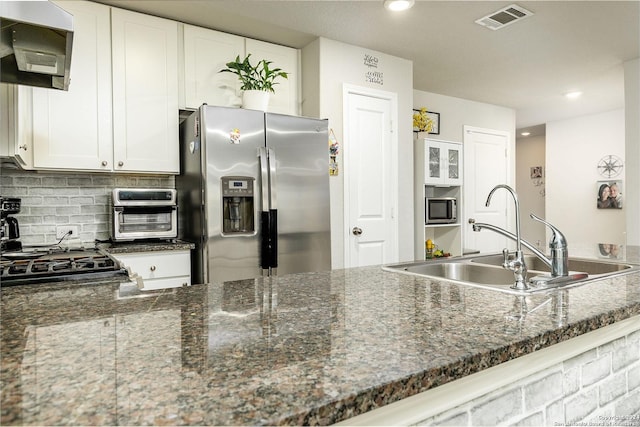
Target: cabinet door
[(452, 164), (442, 163), (433, 164), (73, 129), (16, 129), (145, 92), (205, 53), (161, 269), (284, 100)]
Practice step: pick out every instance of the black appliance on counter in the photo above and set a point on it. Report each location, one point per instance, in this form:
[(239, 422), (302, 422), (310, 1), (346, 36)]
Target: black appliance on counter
[(53, 264), (9, 228)]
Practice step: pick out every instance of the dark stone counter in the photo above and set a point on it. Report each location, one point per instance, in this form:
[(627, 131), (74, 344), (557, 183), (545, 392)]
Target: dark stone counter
[(311, 348), (145, 246)]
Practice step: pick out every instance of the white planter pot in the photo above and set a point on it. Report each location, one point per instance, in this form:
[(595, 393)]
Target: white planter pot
[(255, 100)]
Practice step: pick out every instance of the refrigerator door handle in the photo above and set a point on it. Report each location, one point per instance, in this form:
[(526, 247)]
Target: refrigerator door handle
[(272, 178), (273, 211), (265, 220), (264, 178)]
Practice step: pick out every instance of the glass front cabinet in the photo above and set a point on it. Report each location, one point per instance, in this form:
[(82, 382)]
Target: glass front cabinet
[(443, 162)]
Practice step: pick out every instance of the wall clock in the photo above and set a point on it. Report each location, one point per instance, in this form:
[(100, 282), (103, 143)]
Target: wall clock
[(610, 166)]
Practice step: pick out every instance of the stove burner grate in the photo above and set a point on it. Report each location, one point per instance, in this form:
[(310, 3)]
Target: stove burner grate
[(64, 264)]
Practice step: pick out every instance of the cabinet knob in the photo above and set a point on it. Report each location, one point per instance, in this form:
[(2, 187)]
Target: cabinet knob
[(104, 163), (153, 268), (23, 147), (120, 163)]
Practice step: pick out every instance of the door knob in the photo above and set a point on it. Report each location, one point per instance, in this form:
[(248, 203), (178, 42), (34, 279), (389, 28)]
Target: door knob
[(356, 231)]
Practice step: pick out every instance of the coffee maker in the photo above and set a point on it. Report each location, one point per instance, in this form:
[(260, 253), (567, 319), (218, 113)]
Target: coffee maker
[(9, 229)]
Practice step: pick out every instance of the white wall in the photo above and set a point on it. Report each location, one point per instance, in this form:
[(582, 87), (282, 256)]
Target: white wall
[(341, 64), (530, 152), (632, 146), (457, 112), (573, 149)]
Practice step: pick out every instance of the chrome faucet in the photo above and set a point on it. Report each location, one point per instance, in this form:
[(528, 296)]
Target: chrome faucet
[(558, 262), (517, 264), (480, 226)]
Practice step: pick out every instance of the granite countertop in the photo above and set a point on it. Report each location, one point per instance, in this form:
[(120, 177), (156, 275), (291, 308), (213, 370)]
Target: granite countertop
[(311, 348), (145, 246)]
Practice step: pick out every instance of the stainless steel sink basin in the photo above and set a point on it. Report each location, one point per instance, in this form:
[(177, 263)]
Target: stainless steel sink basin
[(459, 271), (485, 271), (591, 267)]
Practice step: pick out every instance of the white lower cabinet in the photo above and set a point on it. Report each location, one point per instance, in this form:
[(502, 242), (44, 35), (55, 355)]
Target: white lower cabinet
[(159, 269)]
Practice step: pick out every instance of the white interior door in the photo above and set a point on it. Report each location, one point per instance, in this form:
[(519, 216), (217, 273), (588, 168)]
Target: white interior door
[(485, 166), (370, 177)]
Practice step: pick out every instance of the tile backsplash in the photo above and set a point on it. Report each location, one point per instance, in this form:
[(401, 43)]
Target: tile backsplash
[(57, 199)]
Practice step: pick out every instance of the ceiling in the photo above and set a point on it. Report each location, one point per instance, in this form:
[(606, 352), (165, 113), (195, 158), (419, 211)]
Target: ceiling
[(527, 66)]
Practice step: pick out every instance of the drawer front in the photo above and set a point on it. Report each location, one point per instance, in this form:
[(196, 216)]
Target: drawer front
[(158, 265), (170, 282)]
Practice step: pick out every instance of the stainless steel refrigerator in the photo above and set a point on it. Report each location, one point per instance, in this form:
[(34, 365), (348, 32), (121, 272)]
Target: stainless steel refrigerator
[(253, 193)]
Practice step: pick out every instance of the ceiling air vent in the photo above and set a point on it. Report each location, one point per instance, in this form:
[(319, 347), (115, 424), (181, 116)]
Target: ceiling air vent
[(504, 17)]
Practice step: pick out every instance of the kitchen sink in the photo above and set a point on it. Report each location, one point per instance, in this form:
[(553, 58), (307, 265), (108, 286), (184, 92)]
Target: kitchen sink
[(459, 271), (589, 266), (486, 271)]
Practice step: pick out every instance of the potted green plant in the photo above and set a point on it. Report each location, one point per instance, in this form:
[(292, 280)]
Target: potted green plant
[(257, 81)]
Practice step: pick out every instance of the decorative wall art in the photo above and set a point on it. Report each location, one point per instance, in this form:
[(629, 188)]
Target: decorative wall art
[(610, 166), (537, 178), (334, 149), (609, 194), (536, 172), (426, 121)]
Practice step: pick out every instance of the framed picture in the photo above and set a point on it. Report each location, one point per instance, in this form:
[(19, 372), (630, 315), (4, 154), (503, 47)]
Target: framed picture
[(536, 172), (609, 194), (432, 117)]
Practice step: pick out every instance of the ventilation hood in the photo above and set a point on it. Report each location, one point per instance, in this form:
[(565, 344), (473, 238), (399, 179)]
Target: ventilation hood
[(35, 45)]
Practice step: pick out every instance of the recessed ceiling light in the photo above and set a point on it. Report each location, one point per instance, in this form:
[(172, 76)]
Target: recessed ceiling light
[(398, 5), (573, 95), (525, 133)]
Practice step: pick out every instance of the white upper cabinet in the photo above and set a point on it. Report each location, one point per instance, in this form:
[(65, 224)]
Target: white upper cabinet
[(205, 53), (16, 128), (128, 81), (121, 110), (284, 100), (145, 92), (442, 163), (72, 129)]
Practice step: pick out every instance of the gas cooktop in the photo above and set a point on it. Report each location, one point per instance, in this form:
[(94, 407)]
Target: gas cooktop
[(39, 265)]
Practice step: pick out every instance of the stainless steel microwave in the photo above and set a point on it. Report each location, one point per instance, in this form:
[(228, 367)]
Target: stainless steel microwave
[(139, 214), (440, 210)]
